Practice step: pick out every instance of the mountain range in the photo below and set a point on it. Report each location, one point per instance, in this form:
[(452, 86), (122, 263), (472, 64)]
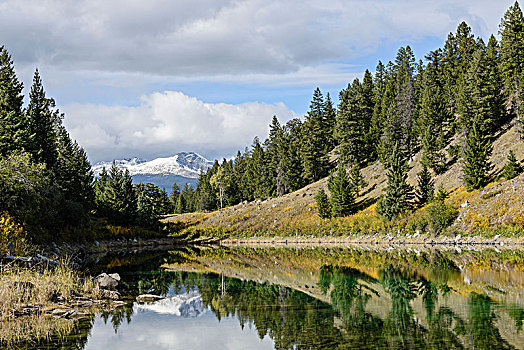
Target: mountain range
[(182, 168)]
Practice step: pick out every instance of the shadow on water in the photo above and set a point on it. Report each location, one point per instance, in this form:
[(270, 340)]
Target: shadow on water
[(319, 298)]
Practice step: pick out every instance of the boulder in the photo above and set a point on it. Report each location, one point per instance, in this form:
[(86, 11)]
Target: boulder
[(106, 281), (109, 294)]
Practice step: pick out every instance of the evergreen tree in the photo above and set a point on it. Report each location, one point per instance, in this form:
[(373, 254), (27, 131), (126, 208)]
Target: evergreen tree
[(349, 130), (73, 171), (477, 151), (100, 195), (145, 208), (313, 151), (329, 120), (353, 122), (204, 197), (14, 128), (173, 196), (494, 86), (120, 197), (292, 162), (256, 177), (513, 168), (240, 165), (356, 180), (324, 208), (182, 205), (479, 99), (398, 193), (342, 193), (512, 57), (42, 124), (433, 118), (425, 186)]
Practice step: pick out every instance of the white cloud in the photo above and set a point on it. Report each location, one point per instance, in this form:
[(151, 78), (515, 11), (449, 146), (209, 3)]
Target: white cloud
[(205, 37), (167, 123)]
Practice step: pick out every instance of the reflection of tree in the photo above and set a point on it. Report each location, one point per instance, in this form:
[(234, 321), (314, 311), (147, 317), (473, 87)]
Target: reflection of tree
[(117, 316), (400, 328), (481, 330), (349, 297), (291, 318)]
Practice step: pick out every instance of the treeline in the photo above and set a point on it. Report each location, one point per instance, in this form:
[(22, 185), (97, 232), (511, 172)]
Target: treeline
[(465, 90), (46, 181)]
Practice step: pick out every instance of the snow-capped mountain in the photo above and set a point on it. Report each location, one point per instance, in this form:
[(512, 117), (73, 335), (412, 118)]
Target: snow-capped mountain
[(186, 164), (188, 304)]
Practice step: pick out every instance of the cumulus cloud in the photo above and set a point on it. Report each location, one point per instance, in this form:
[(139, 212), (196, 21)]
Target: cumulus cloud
[(169, 122), (206, 37)]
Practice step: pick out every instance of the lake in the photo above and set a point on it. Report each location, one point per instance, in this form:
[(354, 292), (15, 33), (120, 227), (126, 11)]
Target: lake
[(299, 297)]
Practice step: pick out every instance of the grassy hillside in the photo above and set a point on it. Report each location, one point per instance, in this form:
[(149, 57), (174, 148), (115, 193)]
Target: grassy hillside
[(496, 209)]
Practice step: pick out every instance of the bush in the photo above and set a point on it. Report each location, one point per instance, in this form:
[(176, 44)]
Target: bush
[(12, 236), (440, 216)]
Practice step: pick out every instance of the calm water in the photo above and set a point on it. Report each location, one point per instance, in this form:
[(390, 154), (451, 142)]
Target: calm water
[(311, 298)]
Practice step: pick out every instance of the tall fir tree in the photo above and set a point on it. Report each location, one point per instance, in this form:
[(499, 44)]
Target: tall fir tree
[(324, 208), (513, 168), (14, 128), (173, 196), (478, 148), (425, 186), (511, 30), (350, 129), (398, 193), (432, 121), (315, 162), (342, 194), (43, 122), (329, 121)]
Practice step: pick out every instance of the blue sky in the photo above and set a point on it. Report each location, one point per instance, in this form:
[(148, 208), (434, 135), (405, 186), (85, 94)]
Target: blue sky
[(153, 78)]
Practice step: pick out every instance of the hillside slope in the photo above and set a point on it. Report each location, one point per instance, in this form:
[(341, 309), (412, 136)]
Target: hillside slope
[(296, 213)]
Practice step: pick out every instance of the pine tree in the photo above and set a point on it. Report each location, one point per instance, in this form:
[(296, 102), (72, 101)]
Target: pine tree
[(204, 196), (14, 128), (342, 193), (313, 151), (512, 57), (73, 172), (356, 180), (292, 162), (256, 177), (477, 151), (182, 203), (494, 86), (398, 193), (425, 186), (350, 127), (324, 208), (513, 168), (173, 196), (42, 124), (145, 209), (120, 196), (433, 118), (329, 120)]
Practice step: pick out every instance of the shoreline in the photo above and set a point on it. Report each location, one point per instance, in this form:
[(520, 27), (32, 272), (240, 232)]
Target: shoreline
[(386, 240)]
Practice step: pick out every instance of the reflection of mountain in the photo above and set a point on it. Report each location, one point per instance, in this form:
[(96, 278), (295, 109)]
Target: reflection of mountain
[(184, 305)]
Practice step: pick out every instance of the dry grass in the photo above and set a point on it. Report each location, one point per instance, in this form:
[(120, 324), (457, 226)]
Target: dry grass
[(22, 287), (39, 327), (296, 213)]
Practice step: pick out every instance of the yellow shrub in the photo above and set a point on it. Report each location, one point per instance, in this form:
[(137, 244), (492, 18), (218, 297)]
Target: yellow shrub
[(11, 234), (476, 221)]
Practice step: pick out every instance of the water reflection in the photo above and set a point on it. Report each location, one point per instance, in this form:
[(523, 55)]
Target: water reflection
[(315, 299)]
